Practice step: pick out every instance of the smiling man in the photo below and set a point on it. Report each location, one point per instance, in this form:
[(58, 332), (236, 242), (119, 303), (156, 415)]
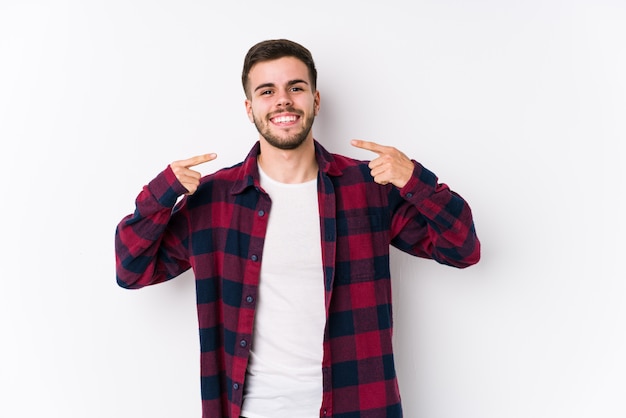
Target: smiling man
[(290, 252)]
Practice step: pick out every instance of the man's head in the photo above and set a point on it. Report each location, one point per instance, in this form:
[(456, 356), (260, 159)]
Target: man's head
[(281, 97), (273, 49)]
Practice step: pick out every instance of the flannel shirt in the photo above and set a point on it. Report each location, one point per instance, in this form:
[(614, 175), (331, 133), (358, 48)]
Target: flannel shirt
[(219, 231)]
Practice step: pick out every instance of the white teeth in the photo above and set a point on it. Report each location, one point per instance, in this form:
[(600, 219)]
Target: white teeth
[(284, 119)]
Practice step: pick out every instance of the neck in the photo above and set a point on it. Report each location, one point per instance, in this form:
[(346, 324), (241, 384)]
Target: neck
[(289, 166)]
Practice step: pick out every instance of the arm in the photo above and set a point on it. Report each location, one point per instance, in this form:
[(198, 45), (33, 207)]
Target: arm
[(429, 220), (151, 243), (432, 221)]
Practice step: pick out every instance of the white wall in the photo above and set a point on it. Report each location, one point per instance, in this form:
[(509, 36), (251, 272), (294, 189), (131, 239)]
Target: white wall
[(519, 106)]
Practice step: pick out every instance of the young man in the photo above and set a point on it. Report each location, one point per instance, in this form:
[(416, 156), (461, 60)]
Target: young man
[(290, 251)]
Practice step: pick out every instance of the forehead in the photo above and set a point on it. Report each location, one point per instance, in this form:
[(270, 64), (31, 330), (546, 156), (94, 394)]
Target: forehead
[(278, 71)]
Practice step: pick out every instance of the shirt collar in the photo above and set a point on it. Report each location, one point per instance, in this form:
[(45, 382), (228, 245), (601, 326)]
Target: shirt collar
[(249, 170)]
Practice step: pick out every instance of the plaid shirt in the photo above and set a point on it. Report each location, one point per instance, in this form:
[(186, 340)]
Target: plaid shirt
[(219, 232)]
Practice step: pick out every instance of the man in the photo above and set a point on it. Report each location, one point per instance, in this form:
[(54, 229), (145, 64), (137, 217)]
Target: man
[(290, 251)]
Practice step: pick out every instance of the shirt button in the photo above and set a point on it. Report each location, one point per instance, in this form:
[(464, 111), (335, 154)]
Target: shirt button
[(235, 386), (409, 195), (261, 212), (254, 257), (249, 299), (243, 343)]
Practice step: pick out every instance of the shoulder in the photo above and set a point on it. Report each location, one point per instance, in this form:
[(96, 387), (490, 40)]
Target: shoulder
[(226, 174), (337, 165), (344, 162), (350, 170), (218, 187)]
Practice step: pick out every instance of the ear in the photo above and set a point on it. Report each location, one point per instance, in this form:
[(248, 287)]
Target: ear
[(316, 102), (248, 104)]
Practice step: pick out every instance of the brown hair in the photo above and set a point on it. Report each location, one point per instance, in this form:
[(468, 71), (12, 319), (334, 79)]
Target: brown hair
[(274, 49)]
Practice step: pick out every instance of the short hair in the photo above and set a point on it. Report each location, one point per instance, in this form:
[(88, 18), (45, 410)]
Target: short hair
[(273, 49)]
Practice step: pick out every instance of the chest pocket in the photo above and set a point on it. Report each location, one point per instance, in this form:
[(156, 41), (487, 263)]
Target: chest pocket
[(362, 249)]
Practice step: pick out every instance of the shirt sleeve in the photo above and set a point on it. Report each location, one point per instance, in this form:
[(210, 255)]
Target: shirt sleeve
[(151, 243), (432, 221)]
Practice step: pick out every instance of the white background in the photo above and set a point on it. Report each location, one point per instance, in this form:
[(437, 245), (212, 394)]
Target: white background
[(518, 106)]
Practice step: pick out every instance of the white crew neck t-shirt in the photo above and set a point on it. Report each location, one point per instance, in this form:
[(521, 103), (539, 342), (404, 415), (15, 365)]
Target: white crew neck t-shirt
[(284, 376)]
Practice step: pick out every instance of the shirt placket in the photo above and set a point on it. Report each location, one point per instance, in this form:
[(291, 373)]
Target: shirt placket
[(328, 230), (249, 295)]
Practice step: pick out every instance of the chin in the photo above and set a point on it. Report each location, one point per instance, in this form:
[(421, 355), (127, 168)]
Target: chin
[(289, 143), (285, 145)]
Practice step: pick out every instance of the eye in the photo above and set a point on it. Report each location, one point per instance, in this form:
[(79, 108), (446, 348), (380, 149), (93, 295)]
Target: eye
[(295, 88), (266, 92)]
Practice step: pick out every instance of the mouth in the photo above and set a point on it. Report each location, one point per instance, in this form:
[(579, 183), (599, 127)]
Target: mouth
[(285, 119)]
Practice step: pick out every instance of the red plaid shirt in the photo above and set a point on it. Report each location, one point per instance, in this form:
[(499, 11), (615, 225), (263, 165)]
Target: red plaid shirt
[(219, 231)]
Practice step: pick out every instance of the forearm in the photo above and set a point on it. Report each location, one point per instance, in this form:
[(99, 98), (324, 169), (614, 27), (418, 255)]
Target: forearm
[(149, 243), (436, 222)]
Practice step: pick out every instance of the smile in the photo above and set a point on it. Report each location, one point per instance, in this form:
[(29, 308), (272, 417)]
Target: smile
[(285, 119)]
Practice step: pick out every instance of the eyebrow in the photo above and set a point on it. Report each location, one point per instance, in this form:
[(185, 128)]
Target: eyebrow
[(289, 83)]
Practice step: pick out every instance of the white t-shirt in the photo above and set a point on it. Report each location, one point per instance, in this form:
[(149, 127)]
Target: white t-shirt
[(284, 376)]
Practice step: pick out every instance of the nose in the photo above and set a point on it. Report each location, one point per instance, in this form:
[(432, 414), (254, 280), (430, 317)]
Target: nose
[(283, 98)]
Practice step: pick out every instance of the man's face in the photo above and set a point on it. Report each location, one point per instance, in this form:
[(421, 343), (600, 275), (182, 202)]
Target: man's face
[(282, 102)]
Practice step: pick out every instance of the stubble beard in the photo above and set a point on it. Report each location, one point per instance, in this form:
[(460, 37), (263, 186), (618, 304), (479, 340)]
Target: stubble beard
[(284, 143)]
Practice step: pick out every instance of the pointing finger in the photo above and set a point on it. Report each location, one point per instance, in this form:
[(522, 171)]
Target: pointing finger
[(370, 146), (198, 159)]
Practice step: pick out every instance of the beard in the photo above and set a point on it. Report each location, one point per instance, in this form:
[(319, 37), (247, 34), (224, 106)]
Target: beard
[(292, 141)]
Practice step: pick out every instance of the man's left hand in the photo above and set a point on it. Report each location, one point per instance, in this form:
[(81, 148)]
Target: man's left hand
[(391, 165)]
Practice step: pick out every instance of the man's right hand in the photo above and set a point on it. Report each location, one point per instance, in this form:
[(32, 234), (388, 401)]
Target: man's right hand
[(190, 178)]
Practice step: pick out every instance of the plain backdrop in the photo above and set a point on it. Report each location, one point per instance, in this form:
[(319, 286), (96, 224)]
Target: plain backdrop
[(518, 106)]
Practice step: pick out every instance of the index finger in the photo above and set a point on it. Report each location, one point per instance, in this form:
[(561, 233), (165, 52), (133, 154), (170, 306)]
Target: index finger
[(198, 159), (368, 145)]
